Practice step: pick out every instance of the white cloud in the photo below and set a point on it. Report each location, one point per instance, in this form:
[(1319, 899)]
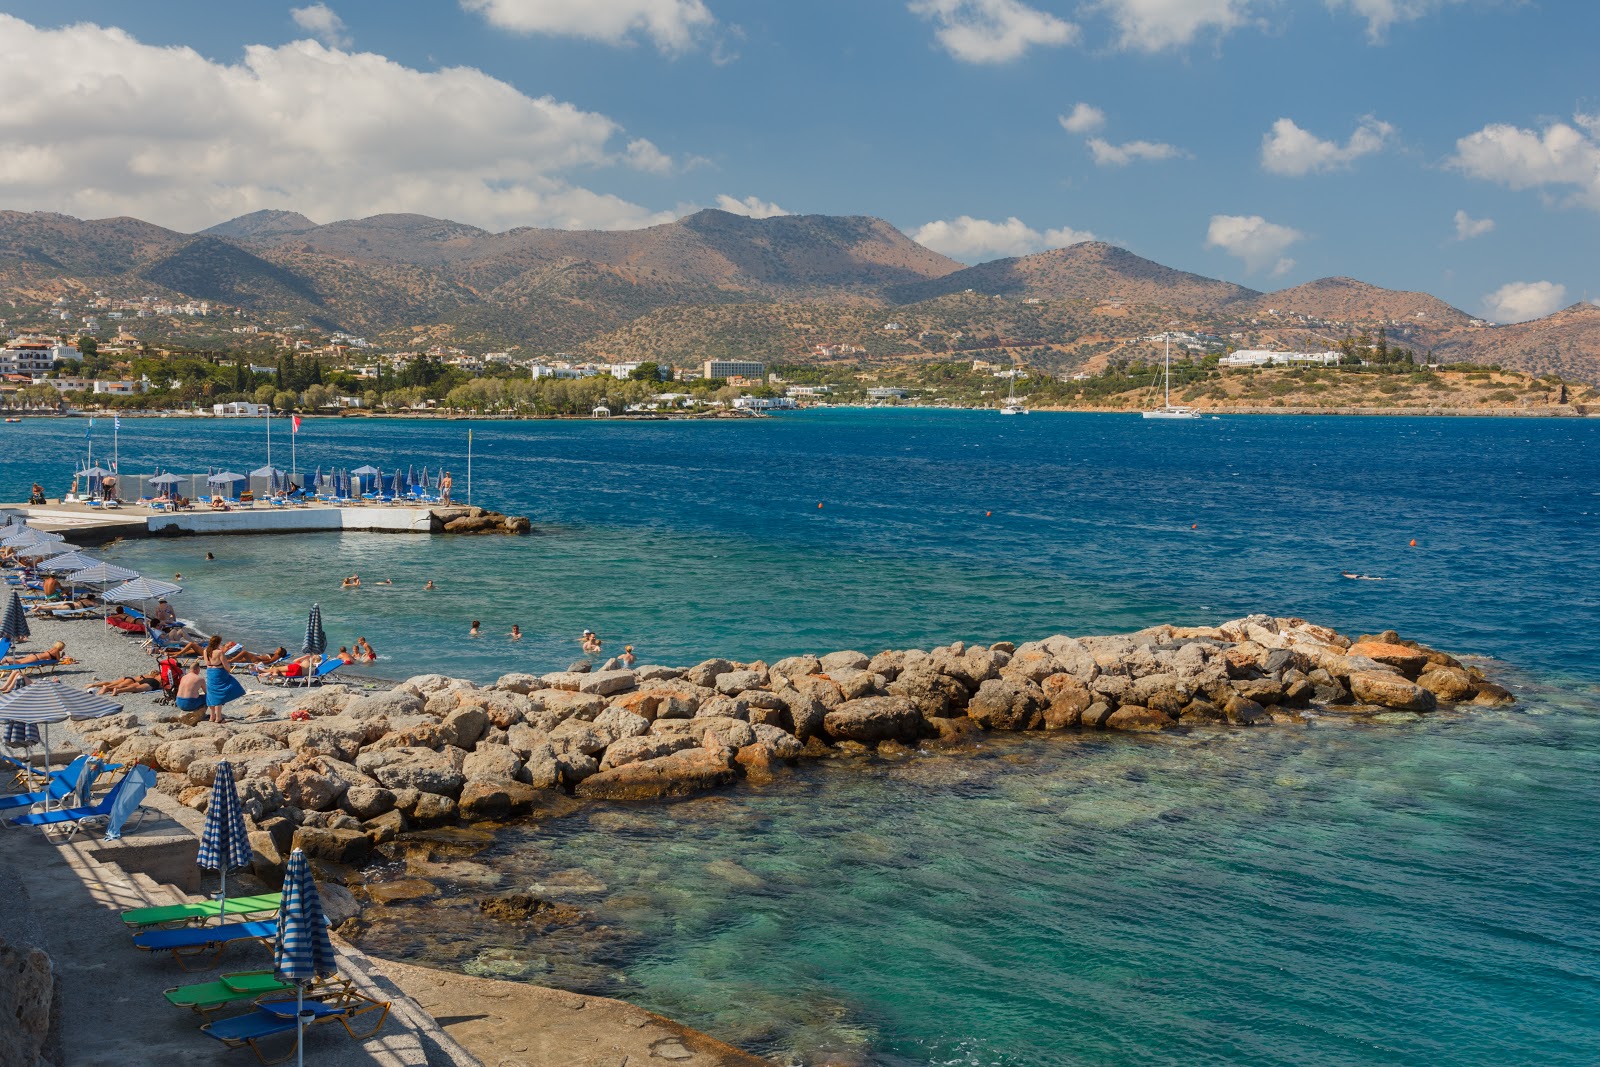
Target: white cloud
[(643, 155), (1084, 118), (320, 21), (971, 240), (1381, 14), (992, 31), (1468, 227), (1254, 240), (673, 25), (168, 135), (1560, 156), (1521, 301), (1156, 25), (1289, 150), (1107, 154), (752, 206)]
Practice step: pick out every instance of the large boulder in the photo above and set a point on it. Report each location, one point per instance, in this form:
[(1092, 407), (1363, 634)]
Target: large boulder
[(935, 695), (392, 704), (874, 719), (328, 737), (834, 661), (1390, 691), (563, 705), (705, 674), (723, 706), (648, 747), (1069, 699), (796, 666), (805, 715), (540, 767), (605, 683), (248, 743), (1008, 704), (311, 789), (780, 743), (856, 684), (422, 769), (731, 683), (822, 689), (615, 724), (1132, 719), (492, 761), (575, 735), (1449, 684), (730, 733), (349, 847), (175, 756), (1403, 658), (463, 727), (692, 770), (495, 798), (367, 801), (519, 683)]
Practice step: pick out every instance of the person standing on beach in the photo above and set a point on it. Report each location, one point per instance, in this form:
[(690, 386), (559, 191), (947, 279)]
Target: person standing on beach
[(446, 483), (221, 685)]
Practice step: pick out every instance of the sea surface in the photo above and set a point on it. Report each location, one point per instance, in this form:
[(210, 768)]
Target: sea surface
[(1417, 890)]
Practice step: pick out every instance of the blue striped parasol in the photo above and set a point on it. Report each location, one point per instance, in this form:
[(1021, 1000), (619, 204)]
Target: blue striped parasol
[(14, 623), (316, 641), (19, 733), (48, 701), (224, 842), (302, 951)]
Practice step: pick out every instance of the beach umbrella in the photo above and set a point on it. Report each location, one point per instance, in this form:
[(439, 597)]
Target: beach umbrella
[(316, 642), (399, 484), (44, 702), (141, 591), (67, 561), (411, 479), (166, 479), (45, 549), (97, 472), (316, 480), (29, 535), (19, 733), (302, 950), (14, 622), (224, 841), (102, 574), (366, 470)]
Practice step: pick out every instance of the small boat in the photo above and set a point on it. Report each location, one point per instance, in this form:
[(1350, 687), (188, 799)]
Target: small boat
[(1167, 410), (13, 419)]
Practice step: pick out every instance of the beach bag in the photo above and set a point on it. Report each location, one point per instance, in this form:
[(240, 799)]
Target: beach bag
[(171, 672)]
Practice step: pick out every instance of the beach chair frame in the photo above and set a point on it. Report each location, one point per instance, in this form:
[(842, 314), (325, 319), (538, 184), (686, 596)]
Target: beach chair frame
[(276, 1018)]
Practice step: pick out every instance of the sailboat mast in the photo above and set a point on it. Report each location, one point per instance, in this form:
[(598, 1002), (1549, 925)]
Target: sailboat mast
[(1168, 337)]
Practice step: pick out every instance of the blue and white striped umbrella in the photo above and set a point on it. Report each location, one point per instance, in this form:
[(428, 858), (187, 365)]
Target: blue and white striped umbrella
[(224, 842), (102, 574), (302, 951), (67, 561), (14, 623), (316, 641), (48, 701)]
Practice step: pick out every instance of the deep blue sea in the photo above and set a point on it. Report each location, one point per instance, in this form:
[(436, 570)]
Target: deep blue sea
[(1415, 891)]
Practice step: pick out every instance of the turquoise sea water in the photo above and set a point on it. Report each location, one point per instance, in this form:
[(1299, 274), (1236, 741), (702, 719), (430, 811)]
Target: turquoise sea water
[(1416, 891)]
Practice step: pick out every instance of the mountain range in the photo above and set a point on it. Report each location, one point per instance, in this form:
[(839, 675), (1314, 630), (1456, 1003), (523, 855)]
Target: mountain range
[(714, 282)]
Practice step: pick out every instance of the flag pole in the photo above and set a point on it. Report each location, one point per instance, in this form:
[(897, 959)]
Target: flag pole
[(469, 468), (269, 436)]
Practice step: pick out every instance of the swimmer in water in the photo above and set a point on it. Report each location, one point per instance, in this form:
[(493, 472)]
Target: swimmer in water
[(516, 632), (474, 632), (429, 585)]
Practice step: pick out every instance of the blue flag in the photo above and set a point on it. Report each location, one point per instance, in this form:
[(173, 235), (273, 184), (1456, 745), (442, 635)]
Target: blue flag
[(90, 430), (116, 422)]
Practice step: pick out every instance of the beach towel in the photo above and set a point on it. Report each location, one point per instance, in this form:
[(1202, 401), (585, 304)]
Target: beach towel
[(221, 687)]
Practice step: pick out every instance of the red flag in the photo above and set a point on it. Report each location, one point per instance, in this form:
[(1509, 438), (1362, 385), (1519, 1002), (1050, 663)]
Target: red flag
[(296, 427)]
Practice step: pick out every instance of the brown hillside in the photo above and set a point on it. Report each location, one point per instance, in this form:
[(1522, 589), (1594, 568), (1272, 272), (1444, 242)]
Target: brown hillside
[(1092, 271), (1566, 343), (1349, 300)]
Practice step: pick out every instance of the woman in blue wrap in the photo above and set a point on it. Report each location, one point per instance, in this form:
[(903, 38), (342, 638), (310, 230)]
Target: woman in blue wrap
[(221, 685)]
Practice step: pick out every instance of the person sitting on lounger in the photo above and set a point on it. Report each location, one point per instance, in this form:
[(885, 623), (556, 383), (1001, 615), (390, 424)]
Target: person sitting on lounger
[(143, 683), (51, 588), (163, 613), (246, 656)]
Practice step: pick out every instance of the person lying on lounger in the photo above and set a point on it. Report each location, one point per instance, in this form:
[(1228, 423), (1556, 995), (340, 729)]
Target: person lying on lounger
[(246, 656), (56, 653), (143, 683), (295, 668)]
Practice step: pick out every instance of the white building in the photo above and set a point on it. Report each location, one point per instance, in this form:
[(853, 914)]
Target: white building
[(762, 403), (241, 409), (1257, 357), (734, 368), (623, 370), (887, 392), (35, 355)]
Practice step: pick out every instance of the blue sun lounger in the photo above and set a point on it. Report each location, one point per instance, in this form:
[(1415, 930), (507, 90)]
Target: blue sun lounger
[(62, 784), (202, 940), (113, 809), (274, 1018), (316, 677)]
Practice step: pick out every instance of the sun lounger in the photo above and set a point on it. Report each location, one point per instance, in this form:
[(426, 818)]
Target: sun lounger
[(36, 665), (113, 809), (63, 783), (277, 1017), (201, 909), (206, 997), (212, 941)]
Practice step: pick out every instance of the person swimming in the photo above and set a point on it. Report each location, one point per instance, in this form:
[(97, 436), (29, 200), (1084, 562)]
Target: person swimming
[(429, 585), (516, 632), (474, 632), (352, 582), (364, 651), (386, 581), (1360, 577)]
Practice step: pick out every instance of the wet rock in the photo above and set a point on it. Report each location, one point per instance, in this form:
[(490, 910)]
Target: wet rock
[(1201, 711), (401, 890), (1242, 711), (679, 774), (1490, 695), (756, 760), (874, 719), (349, 847), (1390, 691), (806, 715), (385, 827), (1069, 699), (1449, 684), (1096, 714), (535, 911), (495, 798), (432, 809), (953, 732), (652, 746), (1134, 719)]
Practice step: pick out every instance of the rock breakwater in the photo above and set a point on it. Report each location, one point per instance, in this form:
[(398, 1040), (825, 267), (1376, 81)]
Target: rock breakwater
[(368, 766)]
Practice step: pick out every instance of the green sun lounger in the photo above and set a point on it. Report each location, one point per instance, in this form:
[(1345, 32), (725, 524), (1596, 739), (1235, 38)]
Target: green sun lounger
[(200, 909), (203, 998), (192, 941)]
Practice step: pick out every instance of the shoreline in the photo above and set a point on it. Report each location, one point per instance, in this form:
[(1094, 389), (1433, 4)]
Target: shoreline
[(373, 765)]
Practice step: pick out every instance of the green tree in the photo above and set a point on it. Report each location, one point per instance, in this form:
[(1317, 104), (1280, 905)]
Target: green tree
[(649, 371), (88, 345)]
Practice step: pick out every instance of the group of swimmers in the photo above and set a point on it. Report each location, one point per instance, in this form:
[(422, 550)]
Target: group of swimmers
[(354, 582)]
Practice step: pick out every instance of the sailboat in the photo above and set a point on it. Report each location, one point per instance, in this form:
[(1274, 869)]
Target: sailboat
[(1167, 411), (1011, 406)]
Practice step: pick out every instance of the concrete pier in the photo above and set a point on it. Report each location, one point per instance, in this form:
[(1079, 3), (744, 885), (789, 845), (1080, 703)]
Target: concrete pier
[(82, 524)]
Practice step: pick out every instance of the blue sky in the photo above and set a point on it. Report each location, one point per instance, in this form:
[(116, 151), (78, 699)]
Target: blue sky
[(1445, 145)]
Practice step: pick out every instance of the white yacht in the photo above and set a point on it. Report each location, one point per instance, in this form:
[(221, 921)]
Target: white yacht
[(1011, 406), (1167, 410)]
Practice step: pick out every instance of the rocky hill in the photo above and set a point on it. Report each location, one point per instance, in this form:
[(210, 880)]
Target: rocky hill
[(1092, 271), (719, 283)]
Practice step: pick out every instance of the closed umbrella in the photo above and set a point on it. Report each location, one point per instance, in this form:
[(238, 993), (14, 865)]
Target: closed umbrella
[(48, 701), (411, 479), (19, 733), (224, 841), (14, 622), (316, 641), (302, 951)]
